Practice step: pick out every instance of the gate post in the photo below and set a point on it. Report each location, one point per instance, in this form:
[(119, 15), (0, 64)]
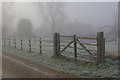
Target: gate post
[(100, 47), (58, 43), (21, 44), (75, 46), (15, 43), (55, 44), (40, 43), (4, 42), (9, 42), (103, 51), (29, 45)]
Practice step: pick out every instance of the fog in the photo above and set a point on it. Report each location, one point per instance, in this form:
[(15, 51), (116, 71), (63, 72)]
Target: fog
[(68, 18)]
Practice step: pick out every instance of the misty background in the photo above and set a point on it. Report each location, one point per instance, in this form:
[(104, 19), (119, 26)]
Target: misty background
[(36, 19)]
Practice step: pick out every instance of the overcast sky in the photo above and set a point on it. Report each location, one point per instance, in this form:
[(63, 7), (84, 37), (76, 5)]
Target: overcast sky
[(95, 13), (60, 0)]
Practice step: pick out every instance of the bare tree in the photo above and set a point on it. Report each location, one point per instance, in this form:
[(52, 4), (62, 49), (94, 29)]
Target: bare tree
[(25, 28), (53, 14)]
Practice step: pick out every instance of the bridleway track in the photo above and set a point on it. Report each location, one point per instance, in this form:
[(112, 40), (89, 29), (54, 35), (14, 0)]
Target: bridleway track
[(16, 67)]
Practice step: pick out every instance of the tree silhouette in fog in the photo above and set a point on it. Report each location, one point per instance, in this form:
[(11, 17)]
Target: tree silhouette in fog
[(25, 28), (53, 14)]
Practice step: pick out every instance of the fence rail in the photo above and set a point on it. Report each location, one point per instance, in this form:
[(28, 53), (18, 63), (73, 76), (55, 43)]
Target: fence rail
[(60, 45), (29, 43), (78, 37), (86, 38)]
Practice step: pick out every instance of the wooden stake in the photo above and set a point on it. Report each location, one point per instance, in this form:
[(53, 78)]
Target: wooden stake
[(40, 46), (75, 46), (9, 42), (4, 42), (15, 43), (58, 43), (21, 44), (29, 45), (55, 44)]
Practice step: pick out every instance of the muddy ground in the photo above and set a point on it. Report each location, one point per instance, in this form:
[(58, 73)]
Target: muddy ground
[(16, 67)]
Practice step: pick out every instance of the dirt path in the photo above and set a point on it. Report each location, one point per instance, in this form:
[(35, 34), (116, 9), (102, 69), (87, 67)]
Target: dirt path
[(15, 67)]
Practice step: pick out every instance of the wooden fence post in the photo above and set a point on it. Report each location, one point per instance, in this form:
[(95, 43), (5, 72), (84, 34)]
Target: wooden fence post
[(103, 51), (58, 43), (15, 43), (40, 46), (9, 42), (75, 46), (55, 44), (4, 42), (21, 44), (29, 45), (100, 47)]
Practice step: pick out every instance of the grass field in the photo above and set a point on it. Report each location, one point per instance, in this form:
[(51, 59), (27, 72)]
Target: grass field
[(82, 69)]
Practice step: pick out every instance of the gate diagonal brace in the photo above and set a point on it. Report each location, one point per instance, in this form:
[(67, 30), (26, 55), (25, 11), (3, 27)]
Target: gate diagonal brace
[(66, 47), (85, 49)]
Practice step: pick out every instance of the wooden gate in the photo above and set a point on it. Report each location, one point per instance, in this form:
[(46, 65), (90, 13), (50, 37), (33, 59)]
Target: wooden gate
[(75, 40)]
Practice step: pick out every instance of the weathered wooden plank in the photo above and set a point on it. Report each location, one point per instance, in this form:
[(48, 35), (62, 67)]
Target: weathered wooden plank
[(63, 45), (79, 37), (40, 45), (35, 44), (89, 44), (66, 46), (84, 54), (42, 50), (22, 43), (66, 36), (43, 40), (85, 48), (78, 48), (69, 51), (64, 41), (86, 38), (47, 40), (47, 45), (47, 50)]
